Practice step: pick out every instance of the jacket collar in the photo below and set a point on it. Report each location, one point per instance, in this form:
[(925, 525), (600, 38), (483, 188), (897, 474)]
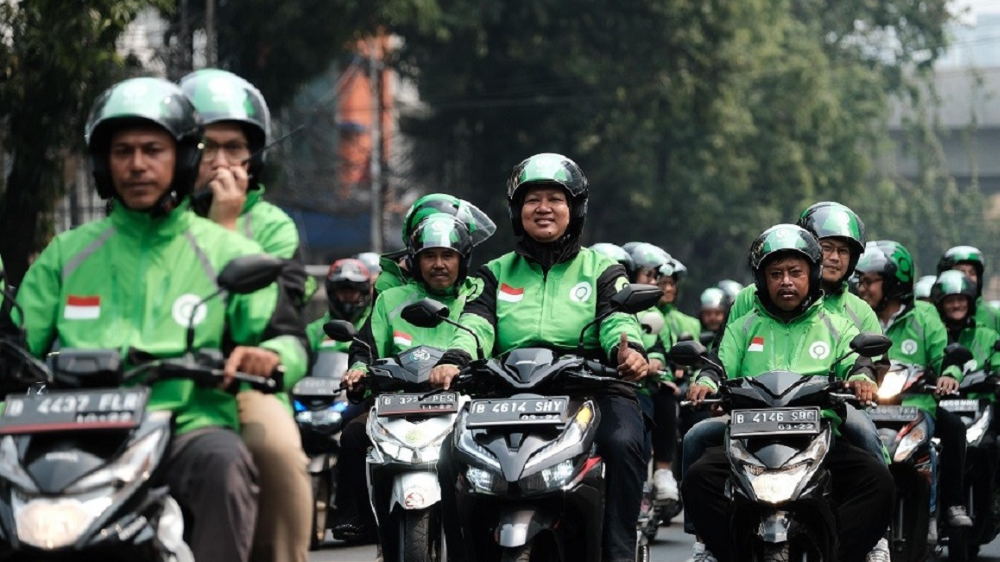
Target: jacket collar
[(144, 224)]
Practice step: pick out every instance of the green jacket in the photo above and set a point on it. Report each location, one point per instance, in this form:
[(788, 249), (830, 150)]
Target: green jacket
[(979, 339), (919, 338), (987, 315), (523, 306), (320, 342), (845, 304), (128, 281), (678, 325), (387, 334), (392, 276), (268, 226)]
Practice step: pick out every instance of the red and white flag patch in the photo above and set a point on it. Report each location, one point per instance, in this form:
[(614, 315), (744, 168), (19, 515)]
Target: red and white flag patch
[(402, 339), (756, 344), (510, 294), (82, 308)]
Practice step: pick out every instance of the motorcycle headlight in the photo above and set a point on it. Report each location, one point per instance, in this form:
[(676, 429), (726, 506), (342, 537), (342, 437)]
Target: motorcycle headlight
[(411, 442), (11, 469), (975, 431), (52, 523), (892, 384), (483, 480), (780, 485), (550, 478), (571, 436), (468, 445), (135, 465), (909, 442)]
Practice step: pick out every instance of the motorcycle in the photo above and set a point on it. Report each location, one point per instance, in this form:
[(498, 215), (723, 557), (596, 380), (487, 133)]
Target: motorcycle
[(531, 483), (777, 443), (80, 454)]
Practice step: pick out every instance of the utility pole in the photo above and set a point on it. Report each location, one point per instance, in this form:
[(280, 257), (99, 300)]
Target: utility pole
[(209, 33), (375, 156)]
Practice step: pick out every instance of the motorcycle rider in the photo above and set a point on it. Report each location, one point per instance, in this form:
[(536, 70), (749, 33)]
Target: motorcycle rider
[(789, 329), (143, 268), (715, 306), (438, 253), (547, 197), (969, 260), (919, 337), (955, 295), (681, 325), (348, 287), (922, 288), (237, 126)]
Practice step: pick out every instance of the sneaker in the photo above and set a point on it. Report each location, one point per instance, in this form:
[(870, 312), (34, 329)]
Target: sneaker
[(665, 485), (880, 553), (957, 517), (701, 554), (353, 530)]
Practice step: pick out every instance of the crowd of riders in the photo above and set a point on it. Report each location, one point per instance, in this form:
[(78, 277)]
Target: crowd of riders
[(180, 164)]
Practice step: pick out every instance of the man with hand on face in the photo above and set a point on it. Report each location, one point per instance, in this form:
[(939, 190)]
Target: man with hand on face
[(237, 127), (139, 269), (788, 329)]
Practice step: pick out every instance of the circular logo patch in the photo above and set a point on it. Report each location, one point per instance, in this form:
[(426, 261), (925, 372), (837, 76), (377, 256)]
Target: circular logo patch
[(909, 347), (184, 307), (819, 350), (580, 292)]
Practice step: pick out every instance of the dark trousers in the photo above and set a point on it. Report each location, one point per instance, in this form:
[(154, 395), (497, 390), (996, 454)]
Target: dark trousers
[(352, 478), (212, 476), (949, 428), (665, 430), (862, 493), (619, 440)]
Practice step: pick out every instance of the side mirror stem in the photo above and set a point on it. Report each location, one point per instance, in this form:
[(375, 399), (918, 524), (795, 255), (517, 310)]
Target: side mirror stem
[(189, 336), (479, 345)]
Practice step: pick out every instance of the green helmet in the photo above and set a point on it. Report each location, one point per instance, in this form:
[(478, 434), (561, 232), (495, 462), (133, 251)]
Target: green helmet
[(221, 96), (894, 263), (784, 239), (554, 170), (616, 253), (964, 254), (647, 256), (480, 226), (440, 231), (954, 282), (714, 297), (833, 220), (922, 288), (140, 102)]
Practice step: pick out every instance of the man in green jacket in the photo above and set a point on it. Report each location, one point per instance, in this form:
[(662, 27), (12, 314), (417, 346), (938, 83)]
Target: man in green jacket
[(129, 282), (237, 127), (788, 329), (348, 286), (680, 325), (438, 253), (918, 337), (969, 260), (955, 295)]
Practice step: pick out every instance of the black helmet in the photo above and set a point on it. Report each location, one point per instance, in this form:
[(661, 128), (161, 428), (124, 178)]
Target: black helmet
[(144, 101), (833, 220), (894, 263), (616, 253), (440, 231), (781, 240), (647, 256), (480, 226), (954, 282), (554, 170), (348, 273), (964, 254)]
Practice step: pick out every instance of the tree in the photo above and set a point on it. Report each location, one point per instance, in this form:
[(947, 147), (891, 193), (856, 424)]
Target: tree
[(53, 62)]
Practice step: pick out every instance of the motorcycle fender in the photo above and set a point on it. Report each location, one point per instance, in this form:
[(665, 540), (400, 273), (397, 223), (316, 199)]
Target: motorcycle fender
[(518, 527), (774, 527), (320, 464), (415, 490)]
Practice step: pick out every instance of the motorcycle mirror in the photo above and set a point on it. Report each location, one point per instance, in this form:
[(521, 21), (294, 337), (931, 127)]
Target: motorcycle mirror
[(956, 354), (688, 353), (249, 274), (636, 297), (870, 345), (340, 330), (706, 338), (425, 313), (652, 322)]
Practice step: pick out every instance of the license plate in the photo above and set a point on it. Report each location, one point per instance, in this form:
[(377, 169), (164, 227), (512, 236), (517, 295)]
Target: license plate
[(72, 411), (893, 413), (784, 421), (316, 387), (410, 404), (963, 405), (516, 411)]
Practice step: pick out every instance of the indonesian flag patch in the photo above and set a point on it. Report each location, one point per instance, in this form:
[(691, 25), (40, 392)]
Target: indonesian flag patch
[(82, 308), (756, 344), (510, 294), (401, 339)]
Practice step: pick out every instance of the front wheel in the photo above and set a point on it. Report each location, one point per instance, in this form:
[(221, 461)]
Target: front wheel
[(421, 537)]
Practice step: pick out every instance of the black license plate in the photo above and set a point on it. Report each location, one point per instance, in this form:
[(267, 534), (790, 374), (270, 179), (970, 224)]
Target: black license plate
[(962, 405), (410, 404), (893, 413), (515, 411), (316, 387), (72, 411), (784, 421)]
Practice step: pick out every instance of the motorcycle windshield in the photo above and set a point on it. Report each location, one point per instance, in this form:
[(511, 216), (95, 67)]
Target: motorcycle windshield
[(531, 367), (777, 388), (412, 368)]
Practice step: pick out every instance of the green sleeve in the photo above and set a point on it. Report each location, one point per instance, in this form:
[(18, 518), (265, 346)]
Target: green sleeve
[(248, 318), (848, 331), (39, 297), (743, 304), (315, 333), (936, 339), (731, 351), (464, 341)]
